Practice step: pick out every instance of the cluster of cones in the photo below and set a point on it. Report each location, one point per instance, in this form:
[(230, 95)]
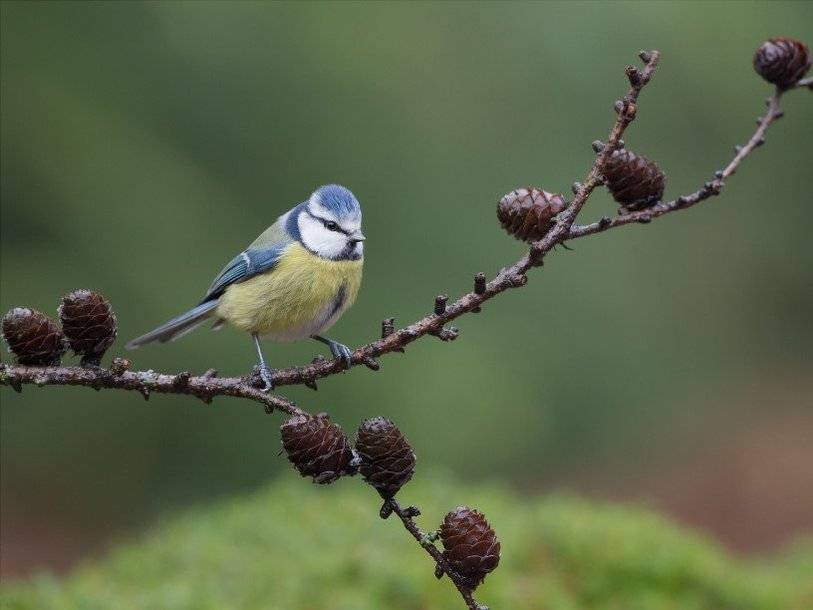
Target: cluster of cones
[(318, 448), (88, 327), (634, 181)]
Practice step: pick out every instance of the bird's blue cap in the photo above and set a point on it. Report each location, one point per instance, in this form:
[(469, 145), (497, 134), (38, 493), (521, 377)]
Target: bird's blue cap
[(338, 200)]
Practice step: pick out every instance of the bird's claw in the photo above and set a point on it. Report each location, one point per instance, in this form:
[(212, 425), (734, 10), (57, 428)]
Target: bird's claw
[(342, 352), (339, 351), (268, 378)]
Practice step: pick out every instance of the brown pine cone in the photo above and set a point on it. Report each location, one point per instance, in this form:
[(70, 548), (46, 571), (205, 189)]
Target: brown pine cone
[(89, 324), (471, 546), (387, 460), (634, 181), (782, 61), (318, 448), (527, 213), (33, 337)]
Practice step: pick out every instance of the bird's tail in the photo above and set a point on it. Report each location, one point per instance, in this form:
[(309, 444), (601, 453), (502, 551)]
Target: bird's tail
[(177, 326)]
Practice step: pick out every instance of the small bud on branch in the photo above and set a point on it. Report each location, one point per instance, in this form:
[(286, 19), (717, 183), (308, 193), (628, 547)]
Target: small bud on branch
[(440, 304), (480, 283)]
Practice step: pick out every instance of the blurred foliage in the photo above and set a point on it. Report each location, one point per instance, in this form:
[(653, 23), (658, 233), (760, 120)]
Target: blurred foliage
[(294, 546), (144, 143)]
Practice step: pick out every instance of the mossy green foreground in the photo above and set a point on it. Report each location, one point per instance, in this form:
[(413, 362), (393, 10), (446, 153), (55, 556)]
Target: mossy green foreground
[(296, 546)]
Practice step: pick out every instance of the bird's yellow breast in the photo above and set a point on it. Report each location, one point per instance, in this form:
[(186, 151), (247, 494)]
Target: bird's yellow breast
[(302, 295)]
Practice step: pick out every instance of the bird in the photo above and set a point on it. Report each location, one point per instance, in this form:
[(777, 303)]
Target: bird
[(291, 283)]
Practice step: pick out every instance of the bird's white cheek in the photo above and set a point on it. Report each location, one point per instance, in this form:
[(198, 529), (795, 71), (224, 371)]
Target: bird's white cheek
[(321, 241), (331, 245)]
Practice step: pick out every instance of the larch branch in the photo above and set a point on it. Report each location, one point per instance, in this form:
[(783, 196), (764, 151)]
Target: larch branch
[(209, 385)]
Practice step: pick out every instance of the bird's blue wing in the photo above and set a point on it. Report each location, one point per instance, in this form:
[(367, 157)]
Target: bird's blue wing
[(247, 264)]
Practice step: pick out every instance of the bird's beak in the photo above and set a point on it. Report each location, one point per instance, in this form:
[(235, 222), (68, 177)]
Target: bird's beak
[(357, 237)]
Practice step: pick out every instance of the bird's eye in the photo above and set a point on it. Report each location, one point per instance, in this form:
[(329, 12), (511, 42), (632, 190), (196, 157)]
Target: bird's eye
[(331, 226)]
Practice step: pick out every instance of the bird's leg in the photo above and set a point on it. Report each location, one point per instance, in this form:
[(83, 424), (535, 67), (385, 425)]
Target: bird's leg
[(338, 350), (265, 372)]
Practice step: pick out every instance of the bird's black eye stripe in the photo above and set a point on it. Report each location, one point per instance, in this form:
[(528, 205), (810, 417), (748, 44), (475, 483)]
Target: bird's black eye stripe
[(329, 224)]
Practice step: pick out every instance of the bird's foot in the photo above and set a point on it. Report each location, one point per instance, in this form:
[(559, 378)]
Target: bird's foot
[(263, 378), (341, 352)]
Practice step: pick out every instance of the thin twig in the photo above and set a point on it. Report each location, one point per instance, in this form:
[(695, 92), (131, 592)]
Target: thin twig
[(709, 189), (428, 545), (626, 110)]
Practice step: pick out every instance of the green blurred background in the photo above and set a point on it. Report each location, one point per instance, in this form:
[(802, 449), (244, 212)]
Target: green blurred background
[(143, 144)]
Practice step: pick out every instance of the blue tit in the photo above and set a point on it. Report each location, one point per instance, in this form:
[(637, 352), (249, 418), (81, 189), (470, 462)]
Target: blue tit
[(293, 282)]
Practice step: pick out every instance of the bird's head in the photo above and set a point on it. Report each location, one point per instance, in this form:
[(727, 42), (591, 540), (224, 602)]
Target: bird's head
[(329, 224)]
